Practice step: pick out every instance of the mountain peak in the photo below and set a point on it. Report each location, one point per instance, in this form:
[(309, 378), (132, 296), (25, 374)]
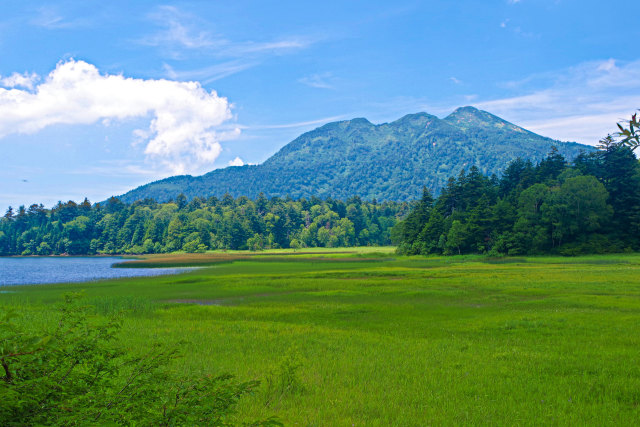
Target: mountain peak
[(415, 119), (359, 122), (469, 112), (389, 161), (470, 117)]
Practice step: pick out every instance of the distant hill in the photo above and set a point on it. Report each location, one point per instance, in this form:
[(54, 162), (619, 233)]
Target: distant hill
[(389, 161)]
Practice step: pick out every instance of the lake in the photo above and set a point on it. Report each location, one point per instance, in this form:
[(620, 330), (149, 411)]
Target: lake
[(38, 270)]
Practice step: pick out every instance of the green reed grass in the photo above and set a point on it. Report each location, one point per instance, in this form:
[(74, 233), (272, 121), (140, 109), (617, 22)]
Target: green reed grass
[(395, 341)]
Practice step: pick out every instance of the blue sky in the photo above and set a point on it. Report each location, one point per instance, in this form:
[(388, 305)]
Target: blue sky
[(97, 98)]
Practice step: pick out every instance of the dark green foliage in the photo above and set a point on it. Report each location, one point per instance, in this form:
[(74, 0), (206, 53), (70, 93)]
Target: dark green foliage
[(590, 206), (78, 374), (413, 224), (390, 161), (630, 135), (197, 226)]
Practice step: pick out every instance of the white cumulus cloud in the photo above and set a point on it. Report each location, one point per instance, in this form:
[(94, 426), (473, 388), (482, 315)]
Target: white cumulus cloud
[(236, 162), (184, 129)]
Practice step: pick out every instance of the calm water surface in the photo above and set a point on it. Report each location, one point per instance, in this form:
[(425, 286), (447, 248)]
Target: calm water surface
[(34, 270)]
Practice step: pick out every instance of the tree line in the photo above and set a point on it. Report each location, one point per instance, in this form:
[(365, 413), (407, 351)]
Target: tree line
[(114, 227), (591, 205)]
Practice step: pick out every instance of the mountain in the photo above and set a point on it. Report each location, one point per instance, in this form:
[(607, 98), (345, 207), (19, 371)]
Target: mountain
[(389, 161)]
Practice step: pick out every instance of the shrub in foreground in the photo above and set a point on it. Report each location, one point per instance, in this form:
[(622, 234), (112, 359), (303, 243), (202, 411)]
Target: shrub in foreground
[(77, 374)]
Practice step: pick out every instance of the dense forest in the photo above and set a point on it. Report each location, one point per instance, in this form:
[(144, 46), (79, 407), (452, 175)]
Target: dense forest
[(198, 225), (591, 205)]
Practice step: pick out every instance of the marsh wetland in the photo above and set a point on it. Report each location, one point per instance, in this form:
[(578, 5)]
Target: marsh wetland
[(365, 337)]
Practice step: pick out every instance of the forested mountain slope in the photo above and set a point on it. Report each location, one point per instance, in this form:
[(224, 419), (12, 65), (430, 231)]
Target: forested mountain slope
[(389, 161)]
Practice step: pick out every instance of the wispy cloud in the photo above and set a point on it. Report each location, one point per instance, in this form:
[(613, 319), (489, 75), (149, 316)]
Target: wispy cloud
[(181, 34), (455, 80), (276, 46), (176, 33), (299, 124), (209, 74), (581, 103), (115, 168), (319, 81), (50, 18)]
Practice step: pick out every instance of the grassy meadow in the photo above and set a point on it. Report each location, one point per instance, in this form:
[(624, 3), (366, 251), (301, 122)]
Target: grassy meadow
[(366, 337)]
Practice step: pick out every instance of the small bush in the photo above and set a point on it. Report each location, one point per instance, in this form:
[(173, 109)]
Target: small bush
[(77, 374)]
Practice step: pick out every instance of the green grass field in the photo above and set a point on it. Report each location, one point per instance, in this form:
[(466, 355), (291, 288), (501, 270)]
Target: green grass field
[(379, 339)]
